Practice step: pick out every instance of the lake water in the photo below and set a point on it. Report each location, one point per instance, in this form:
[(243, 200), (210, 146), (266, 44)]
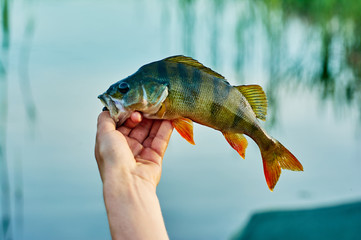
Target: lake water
[(71, 51)]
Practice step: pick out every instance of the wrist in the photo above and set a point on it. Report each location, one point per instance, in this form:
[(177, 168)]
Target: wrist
[(133, 209), (122, 181)]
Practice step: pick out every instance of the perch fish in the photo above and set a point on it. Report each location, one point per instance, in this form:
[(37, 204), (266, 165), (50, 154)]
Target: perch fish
[(182, 90)]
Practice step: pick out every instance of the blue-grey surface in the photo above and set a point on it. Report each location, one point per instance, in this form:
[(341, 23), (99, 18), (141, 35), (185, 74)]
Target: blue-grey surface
[(333, 223), (78, 48)]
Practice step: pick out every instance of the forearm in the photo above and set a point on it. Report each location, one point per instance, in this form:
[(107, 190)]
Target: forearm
[(133, 210)]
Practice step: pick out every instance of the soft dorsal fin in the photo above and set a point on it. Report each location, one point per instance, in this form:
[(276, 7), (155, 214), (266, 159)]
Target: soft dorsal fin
[(194, 63), (256, 98)]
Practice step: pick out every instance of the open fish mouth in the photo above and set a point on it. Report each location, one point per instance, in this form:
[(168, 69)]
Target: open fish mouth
[(108, 103), (115, 107)]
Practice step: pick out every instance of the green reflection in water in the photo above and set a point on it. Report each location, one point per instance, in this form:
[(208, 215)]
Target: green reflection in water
[(5, 228), (188, 13), (12, 221), (337, 75), (327, 59)]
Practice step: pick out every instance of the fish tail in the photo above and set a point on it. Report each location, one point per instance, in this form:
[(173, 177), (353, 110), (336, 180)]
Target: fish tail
[(275, 158)]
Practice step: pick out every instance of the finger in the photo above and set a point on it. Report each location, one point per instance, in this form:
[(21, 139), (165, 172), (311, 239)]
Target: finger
[(161, 139), (141, 132), (153, 132), (105, 123), (148, 155), (155, 128), (134, 119), (135, 146)]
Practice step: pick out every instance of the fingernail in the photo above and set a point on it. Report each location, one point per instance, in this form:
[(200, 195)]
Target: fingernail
[(105, 109)]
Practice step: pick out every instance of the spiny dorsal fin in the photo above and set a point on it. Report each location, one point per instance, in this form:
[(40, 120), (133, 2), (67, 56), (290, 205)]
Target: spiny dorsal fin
[(194, 63), (256, 98)]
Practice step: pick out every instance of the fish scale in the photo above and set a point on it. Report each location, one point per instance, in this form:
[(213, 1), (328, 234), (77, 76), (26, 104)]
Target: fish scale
[(203, 98)]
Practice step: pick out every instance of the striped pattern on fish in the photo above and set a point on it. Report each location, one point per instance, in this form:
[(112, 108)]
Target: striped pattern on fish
[(183, 90)]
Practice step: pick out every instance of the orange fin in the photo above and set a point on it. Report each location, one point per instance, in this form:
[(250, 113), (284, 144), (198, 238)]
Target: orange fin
[(256, 98), (185, 128), (237, 141), (275, 158)]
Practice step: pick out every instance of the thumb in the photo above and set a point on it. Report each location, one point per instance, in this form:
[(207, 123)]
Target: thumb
[(105, 123)]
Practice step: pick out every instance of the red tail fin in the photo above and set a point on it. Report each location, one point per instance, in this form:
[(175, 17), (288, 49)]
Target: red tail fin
[(275, 158)]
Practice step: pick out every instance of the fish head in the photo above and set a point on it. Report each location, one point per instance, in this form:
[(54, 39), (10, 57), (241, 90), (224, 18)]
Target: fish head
[(134, 94)]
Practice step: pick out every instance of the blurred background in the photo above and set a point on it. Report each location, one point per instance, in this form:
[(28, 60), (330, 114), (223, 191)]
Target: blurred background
[(57, 56)]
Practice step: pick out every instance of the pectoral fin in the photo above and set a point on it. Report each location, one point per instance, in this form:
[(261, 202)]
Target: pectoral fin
[(237, 141), (162, 110), (185, 128)]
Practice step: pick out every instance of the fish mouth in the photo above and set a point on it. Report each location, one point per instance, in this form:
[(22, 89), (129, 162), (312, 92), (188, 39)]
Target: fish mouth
[(109, 104), (115, 107)]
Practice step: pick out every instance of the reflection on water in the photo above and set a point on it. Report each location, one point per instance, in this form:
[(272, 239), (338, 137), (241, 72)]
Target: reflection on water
[(187, 8), (12, 191), (313, 44), (334, 28), (24, 59), (5, 230)]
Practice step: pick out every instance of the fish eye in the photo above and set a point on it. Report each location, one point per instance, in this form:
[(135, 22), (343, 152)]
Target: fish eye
[(123, 87)]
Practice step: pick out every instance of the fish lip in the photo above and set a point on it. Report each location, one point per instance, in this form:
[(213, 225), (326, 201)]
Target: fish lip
[(116, 108), (103, 99), (109, 103)]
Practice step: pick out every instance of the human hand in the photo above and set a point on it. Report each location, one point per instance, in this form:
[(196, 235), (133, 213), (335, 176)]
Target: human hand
[(134, 149), (129, 159)]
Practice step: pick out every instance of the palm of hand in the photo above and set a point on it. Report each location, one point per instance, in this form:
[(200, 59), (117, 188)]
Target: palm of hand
[(137, 146)]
